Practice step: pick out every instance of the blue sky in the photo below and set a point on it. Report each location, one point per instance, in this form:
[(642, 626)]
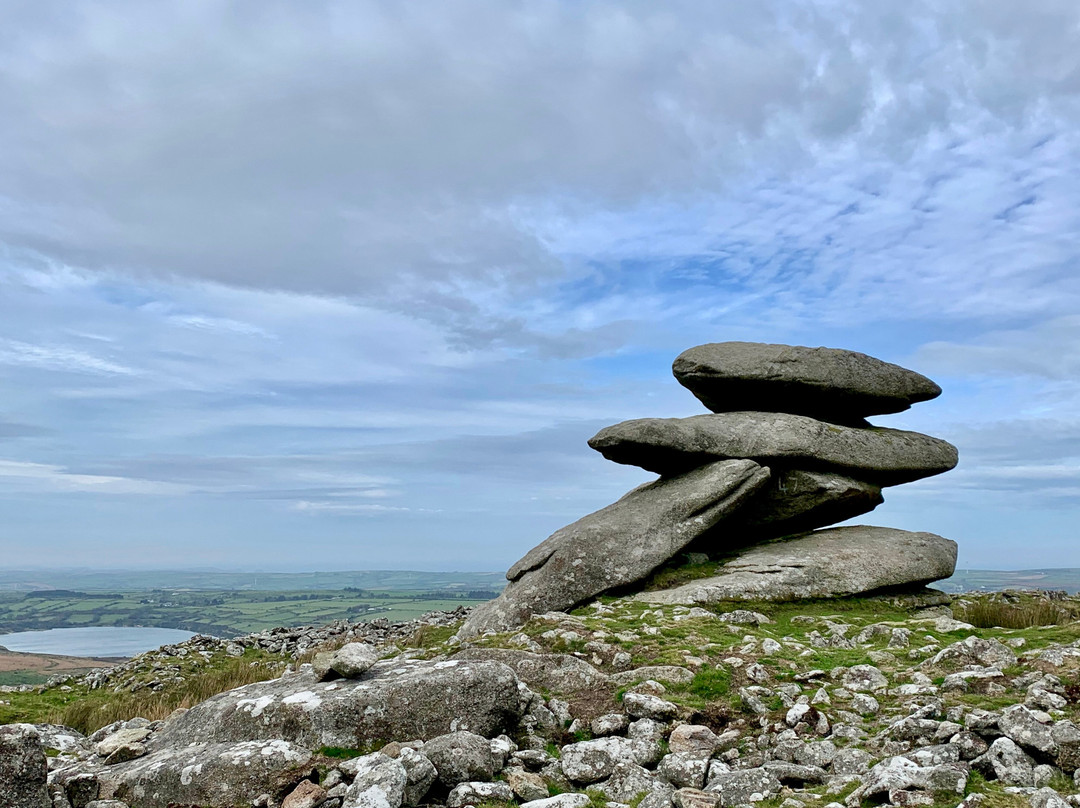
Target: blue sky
[(349, 285)]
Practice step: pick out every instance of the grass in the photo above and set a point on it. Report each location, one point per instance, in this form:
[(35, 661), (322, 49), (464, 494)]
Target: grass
[(997, 613), (711, 684), (348, 753), (597, 799), (678, 574), (431, 636), (90, 713), (22, 678)]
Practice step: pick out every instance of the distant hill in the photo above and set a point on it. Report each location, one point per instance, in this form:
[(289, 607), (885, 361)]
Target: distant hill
[(140, 580), (1066, 578)]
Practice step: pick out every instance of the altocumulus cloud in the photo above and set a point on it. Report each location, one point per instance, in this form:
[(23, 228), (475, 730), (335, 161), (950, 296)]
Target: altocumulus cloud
[(373, 273)]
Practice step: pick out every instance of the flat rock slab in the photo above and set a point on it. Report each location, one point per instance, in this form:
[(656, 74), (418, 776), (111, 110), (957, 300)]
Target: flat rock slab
[(670, 446), (217, 775), (826, 383), (393, 700), (618, 545), (835, 562)]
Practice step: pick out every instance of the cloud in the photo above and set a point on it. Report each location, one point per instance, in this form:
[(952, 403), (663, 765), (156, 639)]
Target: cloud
[(53, 357), (1046, 350), (19, 477), (342, 259), (345, 148)]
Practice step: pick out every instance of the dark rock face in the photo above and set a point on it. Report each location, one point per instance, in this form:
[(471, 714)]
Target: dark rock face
[(826, 383), (673, 445), (796, 501), (399, 699), (23, 768), (618, 545), (836, 562)]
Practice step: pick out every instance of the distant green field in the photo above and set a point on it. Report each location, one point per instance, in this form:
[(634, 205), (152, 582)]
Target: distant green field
[(1065, 578), (221, 613)]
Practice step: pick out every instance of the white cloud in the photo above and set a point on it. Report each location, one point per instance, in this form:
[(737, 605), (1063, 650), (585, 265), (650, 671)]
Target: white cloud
[(22, 477), (339, 147), (58, 357), (340, 260)]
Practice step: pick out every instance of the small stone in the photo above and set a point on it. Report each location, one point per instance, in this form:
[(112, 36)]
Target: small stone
[(461, 757), (693, 738), (641, 705), (527, 785), (609, 724), (477, 793), (354, 659), (306, 795)]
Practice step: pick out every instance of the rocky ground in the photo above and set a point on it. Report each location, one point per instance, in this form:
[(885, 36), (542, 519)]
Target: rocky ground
[(888, 700)]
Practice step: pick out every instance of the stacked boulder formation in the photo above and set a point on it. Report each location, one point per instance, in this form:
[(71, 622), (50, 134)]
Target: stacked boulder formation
[(753, 486)]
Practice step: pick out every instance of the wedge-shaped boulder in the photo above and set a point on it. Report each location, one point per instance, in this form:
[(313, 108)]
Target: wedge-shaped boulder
[(618, 545), (395, 699), (671, 446), (216, 775), (827, 383), (793, 501), (827, 563)]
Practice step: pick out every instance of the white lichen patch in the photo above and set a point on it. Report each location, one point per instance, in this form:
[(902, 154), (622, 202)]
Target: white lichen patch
[(255, 706), (307, 699), (189, 773)]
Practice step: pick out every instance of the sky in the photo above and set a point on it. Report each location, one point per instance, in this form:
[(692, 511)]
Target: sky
[(348, 285)]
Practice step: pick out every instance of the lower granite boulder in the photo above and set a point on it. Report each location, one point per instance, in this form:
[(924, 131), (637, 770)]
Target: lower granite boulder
[(835, 562), (394, 699), (212, 775)]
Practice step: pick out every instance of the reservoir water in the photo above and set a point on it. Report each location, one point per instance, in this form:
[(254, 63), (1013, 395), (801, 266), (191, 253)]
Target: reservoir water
[(93, 641)]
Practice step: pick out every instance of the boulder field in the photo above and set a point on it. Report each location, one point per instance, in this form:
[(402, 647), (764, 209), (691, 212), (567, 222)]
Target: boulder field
[(884, 700), (785, 452)]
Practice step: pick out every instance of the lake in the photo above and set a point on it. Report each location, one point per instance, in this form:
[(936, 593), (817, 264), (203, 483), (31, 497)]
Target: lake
[(93, 641)]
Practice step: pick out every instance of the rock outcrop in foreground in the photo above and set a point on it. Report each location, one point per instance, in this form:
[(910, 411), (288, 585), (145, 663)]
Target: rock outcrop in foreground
[(882, 701), (785, 451)]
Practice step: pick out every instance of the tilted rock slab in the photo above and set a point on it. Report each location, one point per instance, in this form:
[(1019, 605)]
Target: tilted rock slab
[(826, 383), (835, 562), (671, 446), (394, 699), (618, 545)]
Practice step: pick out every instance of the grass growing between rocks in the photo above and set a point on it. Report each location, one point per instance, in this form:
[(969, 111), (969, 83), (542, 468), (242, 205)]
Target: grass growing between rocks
[(1025, 613), (90, 713), (193, 681)]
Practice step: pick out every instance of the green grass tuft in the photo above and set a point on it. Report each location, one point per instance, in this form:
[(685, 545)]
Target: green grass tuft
[(995, 613)]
